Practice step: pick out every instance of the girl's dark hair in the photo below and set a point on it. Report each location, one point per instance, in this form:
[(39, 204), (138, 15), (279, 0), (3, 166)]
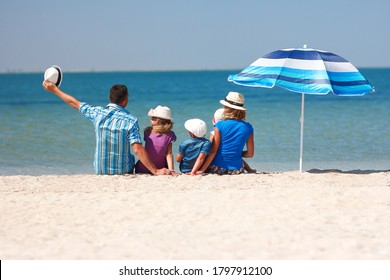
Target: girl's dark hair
[(118, 93)]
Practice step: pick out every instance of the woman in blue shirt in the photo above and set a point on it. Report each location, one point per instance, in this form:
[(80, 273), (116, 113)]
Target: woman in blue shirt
[(230, 137)]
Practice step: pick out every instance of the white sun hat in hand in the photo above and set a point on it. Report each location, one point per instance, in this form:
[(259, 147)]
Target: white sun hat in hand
[(54, 75)]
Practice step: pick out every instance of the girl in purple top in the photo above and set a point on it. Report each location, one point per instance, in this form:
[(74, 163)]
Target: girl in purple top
[(158, 140)]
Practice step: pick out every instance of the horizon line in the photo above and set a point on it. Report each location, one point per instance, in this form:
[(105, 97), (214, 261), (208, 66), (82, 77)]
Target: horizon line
[(20, 71)]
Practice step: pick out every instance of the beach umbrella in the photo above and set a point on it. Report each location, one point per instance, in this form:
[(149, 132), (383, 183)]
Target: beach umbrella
[(306, 71)]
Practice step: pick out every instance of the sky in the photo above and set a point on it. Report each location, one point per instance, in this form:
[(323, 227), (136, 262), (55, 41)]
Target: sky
[(122, 35)]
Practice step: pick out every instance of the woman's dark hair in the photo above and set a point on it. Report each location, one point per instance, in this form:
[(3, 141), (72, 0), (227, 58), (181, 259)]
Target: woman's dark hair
[(118, 93)]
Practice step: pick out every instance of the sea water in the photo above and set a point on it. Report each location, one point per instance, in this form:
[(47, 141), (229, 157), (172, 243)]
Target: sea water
[(40, 134)]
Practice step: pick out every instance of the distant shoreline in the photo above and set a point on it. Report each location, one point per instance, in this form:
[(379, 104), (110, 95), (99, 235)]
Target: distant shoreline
[(145, 70)]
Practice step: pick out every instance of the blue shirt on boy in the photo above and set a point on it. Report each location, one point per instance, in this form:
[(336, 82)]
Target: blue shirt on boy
[(190, 149)]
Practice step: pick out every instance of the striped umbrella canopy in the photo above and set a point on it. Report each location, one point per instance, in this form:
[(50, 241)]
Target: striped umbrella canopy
[(306, 71)]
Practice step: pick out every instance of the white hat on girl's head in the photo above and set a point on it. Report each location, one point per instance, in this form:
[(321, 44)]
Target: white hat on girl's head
[(218, 116), (54, 75), (161, 112), (234, 100), (197, 127)]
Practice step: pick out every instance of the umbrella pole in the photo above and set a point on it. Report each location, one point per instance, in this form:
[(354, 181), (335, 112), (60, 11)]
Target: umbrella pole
[(302, 122)]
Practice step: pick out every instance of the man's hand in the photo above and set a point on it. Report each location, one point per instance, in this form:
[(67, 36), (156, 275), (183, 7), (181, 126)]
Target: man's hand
[(163, 171), (49, 86)]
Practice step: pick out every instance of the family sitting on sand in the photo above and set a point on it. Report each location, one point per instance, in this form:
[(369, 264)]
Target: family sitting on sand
[(117, 131)]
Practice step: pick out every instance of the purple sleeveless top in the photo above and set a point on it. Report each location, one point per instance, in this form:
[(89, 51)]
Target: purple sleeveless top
[(156, 145)]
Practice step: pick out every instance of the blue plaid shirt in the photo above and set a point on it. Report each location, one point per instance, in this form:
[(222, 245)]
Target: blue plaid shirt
[(116, 129)]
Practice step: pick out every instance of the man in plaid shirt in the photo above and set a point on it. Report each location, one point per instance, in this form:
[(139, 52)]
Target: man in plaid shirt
[(116, 131)]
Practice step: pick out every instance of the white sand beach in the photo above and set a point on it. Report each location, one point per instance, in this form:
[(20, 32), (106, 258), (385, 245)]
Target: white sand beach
[(289, 215)]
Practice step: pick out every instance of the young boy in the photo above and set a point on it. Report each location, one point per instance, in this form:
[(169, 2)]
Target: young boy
[(193, 151)]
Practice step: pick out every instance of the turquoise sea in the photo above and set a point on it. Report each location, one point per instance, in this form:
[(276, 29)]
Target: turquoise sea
[(39, 134)]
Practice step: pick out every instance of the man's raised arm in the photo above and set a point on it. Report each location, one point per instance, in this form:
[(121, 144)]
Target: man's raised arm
[(70, 100)]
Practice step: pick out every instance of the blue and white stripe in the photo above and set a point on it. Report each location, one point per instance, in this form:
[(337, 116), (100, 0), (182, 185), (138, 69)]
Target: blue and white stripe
[(306, 71)]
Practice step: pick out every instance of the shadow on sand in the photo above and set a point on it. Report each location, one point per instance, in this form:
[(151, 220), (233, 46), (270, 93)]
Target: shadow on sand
[(357, 171)]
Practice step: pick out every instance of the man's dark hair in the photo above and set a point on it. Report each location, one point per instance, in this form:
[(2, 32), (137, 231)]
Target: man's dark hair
[(118, 93)]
